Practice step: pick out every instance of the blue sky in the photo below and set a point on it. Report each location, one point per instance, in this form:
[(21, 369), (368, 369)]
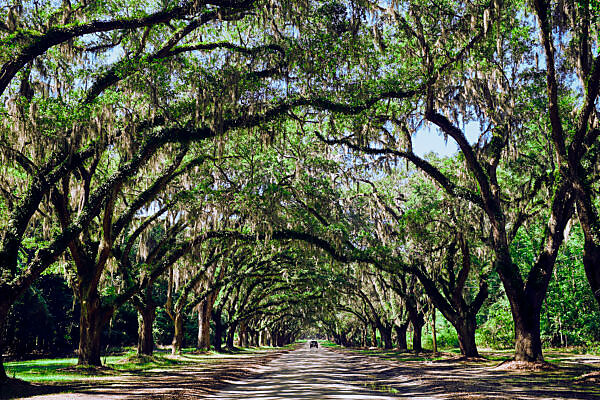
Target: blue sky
[(431, 139)]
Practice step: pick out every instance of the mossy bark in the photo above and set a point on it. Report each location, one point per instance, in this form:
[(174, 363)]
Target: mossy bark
[(146, 318), (177, 341), (401, 336), (465, 329)]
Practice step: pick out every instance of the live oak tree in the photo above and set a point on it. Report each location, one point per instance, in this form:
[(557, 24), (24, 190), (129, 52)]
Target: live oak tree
[(65, 29), (40, 100), (496, 65), (297, 113), (440, 244)]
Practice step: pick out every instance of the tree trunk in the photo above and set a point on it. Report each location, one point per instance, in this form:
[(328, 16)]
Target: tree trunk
[(243, 335), (386, 337), (218, 336), (91, 322), (417, 331), (373, 335), (275, 338), (433, 331), (146, 316), (465, 328), (177, 334), (231, 336), (528, 344), (526, 308), (401, 336), (591, 264), (204, 314)]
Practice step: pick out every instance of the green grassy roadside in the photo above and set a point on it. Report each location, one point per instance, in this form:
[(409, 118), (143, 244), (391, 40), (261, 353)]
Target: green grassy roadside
[(64, 370)]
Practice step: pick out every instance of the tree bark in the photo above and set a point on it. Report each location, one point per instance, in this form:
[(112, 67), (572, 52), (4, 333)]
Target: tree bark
[(204, 314), (91, 322), (177, 334), (591, 264), (526, 309), (465, 329), (528, 344), (373, 335), (219, 330), (417, 325), (231, 336), (386, 337), (401, 335), (146, 318), (243, 335)]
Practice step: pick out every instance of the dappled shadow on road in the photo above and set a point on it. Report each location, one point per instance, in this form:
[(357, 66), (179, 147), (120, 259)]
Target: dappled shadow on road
[(452, 379), (340, 374), (308, 374)]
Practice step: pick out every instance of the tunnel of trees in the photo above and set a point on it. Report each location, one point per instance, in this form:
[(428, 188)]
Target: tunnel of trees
[(240, 172)]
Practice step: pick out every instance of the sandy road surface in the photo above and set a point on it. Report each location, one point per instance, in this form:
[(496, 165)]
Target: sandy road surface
[(341, 374), (307, 374)]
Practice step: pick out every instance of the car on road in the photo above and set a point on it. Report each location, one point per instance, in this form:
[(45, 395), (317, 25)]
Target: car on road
[(314, 343)]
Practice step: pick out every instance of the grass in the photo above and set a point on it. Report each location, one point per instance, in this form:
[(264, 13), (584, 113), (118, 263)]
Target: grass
[(52, 370), (62, 370)]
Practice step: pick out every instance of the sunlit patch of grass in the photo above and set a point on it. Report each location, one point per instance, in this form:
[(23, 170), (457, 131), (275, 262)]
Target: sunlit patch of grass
[(67, 370), (327, 343), (55, 369)]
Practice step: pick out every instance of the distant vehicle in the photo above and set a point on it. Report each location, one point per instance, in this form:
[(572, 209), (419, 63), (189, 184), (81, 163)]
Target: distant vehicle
[(314, 343)]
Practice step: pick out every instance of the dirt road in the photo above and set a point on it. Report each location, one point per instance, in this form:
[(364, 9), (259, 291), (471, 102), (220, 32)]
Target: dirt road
[(308, 374), (339, 374)]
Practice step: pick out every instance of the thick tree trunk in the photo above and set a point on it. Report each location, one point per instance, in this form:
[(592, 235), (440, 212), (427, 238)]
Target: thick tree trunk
[(528, 344), (465, 328), (218, 336), (373, 335), (401, 336), (386, 337), (275, 338), (177, 334), (91, 322), (417, 332), (231, 336), (243, 335), (146, 316), (526, 308), (204, 314)]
